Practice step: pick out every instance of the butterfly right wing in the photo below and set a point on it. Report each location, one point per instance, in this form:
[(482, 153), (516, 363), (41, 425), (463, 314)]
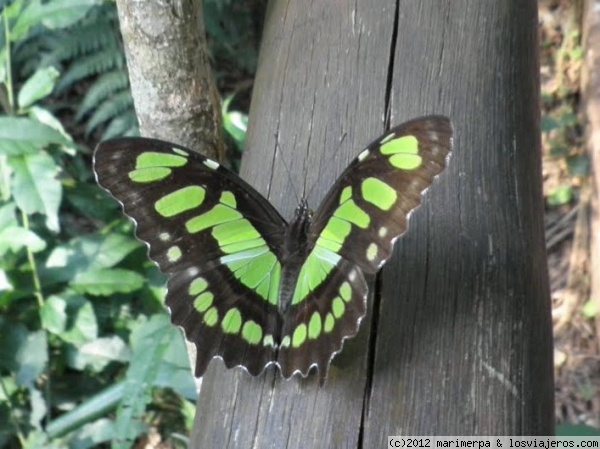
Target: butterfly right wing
[(217, 239)]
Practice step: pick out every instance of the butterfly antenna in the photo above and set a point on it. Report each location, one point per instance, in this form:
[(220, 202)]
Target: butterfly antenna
[(333, 155), (287, 169)]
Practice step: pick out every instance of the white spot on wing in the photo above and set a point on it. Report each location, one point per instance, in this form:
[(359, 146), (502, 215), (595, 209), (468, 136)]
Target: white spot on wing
[(164, 236), (269, 341), (174, 254), (211, 164), (382, 231), (433, 136), (363, 155), (372, 252), (179, 152)]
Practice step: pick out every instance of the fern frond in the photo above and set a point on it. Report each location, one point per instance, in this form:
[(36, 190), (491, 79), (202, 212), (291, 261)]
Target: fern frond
[(92, 38), (93, 64), (123, 125), (105, 86), (109, 109)]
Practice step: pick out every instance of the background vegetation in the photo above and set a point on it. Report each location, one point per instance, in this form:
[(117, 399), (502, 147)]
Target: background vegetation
[(87, 355), (87, 351)]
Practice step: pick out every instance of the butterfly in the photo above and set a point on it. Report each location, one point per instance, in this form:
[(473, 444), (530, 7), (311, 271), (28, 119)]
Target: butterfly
[(243, 283)]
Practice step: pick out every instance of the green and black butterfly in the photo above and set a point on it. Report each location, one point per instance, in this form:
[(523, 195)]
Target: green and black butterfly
[(246, 285)]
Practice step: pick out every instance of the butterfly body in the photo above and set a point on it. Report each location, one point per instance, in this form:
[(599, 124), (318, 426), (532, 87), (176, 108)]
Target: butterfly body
[(244, 284)]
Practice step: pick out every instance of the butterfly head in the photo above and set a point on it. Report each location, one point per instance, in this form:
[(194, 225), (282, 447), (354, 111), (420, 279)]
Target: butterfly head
[(303, 212), (299, 226)]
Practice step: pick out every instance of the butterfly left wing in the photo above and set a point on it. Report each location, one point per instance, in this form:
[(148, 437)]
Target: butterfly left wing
[(216, 238), (353, 232), (368, 207)]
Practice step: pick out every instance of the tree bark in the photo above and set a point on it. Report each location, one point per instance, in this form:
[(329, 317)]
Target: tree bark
[(171, 79), (457, 340)]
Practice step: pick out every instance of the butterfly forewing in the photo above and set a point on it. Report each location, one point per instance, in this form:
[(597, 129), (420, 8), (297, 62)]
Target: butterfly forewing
[(369, 205)]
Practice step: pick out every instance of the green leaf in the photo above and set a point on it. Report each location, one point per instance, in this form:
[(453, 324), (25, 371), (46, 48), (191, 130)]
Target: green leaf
[(46, 117), (53, 314), (71, 317), (26, 18), (7, 215), (83, 324), (93, 434), (235, 123), (53, 14), (113, 249), (6, 173), (560, 195), (83, 254), (12, 9), (152, 340), (32, 358), (92, 251), (38, 86), (548, 123), (36, 187), (63, 13), (91, 201), (98, 353), (20, 135), (174, 370), (578, 165), (5, 284), (8, 389), (13, 336), (558, 149), (38, 408), (38, 440), (107, 281), (590, 309), (14, 238)]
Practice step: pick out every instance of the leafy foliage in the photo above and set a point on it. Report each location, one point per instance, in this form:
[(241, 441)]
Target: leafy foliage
[(87, 353), (230, 26), (77, 311), (90, 51)]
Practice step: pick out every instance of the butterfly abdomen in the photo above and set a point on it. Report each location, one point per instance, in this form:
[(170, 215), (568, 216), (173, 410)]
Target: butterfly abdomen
[(295, 251)]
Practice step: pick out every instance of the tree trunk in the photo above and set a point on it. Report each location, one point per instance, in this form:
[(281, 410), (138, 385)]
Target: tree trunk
[(457, 340), (171, 80)]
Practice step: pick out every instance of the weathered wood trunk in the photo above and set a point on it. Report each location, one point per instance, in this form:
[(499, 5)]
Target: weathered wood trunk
[(457, 340)]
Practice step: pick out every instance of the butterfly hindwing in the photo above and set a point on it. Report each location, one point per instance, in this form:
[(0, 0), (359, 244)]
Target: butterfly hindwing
[(317, 324), (215, 317), (215, 237)]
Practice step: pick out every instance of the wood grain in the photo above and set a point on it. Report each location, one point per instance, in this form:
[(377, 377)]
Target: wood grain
[(457, 340)]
